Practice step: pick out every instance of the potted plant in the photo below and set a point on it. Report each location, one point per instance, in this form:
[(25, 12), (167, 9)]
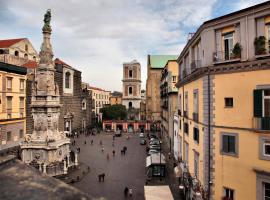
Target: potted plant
[(237, 50), (259, 44)]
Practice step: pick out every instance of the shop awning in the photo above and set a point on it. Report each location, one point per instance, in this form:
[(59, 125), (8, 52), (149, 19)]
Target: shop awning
[(158, 192), (155, 159)]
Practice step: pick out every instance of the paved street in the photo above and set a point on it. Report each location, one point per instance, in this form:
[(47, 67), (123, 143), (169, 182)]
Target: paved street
[(121, 171)]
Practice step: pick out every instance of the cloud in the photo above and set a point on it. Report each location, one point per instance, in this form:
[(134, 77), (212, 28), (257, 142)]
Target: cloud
[(247, 3), (97, 36)]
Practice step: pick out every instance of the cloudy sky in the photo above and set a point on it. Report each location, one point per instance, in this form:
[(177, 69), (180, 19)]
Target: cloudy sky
[(97, 36)]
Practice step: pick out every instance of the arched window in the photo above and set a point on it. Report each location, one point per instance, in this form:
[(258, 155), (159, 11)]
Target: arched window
[(130, 104), (84, 104), (130, 90), (67, 80), (34, 58), (25, 56), (16, 53), (1, 51)]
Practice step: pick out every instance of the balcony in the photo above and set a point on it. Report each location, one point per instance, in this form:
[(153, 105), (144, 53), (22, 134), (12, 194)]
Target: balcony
[(195, 65), (225, 56), (261, 123), (195, 117), (262, 47)]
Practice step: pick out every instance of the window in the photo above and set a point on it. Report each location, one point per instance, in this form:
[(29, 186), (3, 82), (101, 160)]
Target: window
[(9, 136), (130, 90), (9, 103), (21, 84), (34, 58), (186, 152), (16, 53), (228, 102), (228, 194), (196, 134), (186, 128), (186, 105), (130, 73), (130, 104), (21, 102), (26, 48), (266, 148), (229, 143), (84, 104), (261, 100), (67, 80), (195, 101), (266, 191), (174, 79), (21, 133), (21, 115), (25, 56), (228, 45), (268, 37), (9, 83), (9, 116), (266, 103)]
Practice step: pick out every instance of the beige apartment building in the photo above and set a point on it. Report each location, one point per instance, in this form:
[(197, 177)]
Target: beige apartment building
[(168, 95), (100, 98), (12, 107), (155, 65), (224, 107), (17, 51)]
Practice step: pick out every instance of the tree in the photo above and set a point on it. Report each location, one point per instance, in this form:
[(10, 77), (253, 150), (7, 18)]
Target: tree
[(116, 112)]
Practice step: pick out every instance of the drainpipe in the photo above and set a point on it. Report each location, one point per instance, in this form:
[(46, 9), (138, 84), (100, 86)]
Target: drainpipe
[(209, 139), (183, 106)]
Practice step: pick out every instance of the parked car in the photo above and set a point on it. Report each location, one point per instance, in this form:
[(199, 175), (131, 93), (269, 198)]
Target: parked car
[(157, 147), (118, 133), (153, 139), (141, 135), (153, 151), (143, 142), (152, 135), (154, 142)]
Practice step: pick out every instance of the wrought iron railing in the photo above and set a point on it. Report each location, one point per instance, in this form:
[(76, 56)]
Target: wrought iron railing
[(221, 56)]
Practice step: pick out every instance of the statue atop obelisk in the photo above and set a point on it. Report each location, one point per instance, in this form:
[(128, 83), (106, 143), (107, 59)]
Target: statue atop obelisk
[(46, 147)]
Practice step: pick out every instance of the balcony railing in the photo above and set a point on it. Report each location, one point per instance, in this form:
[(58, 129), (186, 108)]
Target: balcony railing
[(222, 56), (195, 65), (262, 123)]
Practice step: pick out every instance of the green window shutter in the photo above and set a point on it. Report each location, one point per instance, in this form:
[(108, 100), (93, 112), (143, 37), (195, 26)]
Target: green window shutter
[(257, 100)]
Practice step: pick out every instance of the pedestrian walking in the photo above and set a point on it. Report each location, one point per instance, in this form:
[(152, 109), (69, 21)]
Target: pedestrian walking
[(99, 177), (100, 142), (102, 177), (108, 156), (113, 152), (130, 192), (92, 142), (126, 191), (84, 141), (113, 143), (113, 137), (102, 149)]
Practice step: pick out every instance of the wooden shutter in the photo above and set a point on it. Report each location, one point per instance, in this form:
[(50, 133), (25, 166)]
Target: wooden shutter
[(231, 144), (225, 143), (257, 101), (260, 27)]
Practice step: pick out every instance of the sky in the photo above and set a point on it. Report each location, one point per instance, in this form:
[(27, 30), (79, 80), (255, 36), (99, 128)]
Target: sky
[(98, 36)]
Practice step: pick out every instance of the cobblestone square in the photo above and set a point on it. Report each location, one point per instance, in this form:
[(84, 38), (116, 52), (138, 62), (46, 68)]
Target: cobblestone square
[(120, 170)]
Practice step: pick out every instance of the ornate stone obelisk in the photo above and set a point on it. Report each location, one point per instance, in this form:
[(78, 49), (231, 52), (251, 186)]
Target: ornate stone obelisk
[(46, 148)]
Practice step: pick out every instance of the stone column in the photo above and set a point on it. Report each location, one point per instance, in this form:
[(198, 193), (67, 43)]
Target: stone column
[(44, 168), (65, 167), (76, 159)]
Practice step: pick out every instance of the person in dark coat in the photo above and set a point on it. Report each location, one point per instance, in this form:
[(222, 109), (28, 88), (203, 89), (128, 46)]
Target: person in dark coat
[(126, 191)]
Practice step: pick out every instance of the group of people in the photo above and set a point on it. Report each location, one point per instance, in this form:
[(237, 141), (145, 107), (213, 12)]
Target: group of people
[(128, 191)]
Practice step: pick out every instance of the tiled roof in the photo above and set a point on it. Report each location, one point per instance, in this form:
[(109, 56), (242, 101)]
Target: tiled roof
[(30, 64), (159, 61), (95, 88), (60, 62), (9, 42)]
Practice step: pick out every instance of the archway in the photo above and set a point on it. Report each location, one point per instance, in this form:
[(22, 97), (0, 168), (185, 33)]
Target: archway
[(130, 104), (130, 128), (119, 127)]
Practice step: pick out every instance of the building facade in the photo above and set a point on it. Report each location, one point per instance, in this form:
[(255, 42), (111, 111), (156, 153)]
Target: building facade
[(155, 64), (100, 98), (115, 98), (17, 51), (168, 95), (131, 84), (224, 105), (12, 107)]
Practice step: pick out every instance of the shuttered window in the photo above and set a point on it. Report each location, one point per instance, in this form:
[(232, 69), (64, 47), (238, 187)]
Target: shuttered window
[(196, 134), (228, 144), (257, 101)]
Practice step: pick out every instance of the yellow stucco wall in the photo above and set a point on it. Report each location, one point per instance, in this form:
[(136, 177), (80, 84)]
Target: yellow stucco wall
[(236, 172), (193, 145)]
